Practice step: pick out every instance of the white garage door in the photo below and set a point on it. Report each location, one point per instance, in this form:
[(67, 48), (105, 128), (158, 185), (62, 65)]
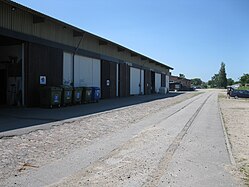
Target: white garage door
[(157, 82), (135, 76), (86, 71), (167, 82), (67, 68)]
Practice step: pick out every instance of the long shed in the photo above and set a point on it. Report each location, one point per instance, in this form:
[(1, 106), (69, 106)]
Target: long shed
[(34, 46)]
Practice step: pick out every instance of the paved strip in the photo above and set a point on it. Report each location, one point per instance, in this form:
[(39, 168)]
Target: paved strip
[(155, 177), (202, 158)]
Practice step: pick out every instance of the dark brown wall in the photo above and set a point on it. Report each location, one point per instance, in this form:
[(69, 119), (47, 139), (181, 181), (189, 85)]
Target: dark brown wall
[(108, 72), (41, 60), (147, 82), (163, 80), (152, 73), (3, 86), (124, 80)]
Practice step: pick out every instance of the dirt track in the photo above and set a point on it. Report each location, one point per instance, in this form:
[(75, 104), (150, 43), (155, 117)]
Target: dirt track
[(236, 118)]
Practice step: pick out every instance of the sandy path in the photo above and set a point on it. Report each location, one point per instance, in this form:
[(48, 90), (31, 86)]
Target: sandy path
[(236, 118)]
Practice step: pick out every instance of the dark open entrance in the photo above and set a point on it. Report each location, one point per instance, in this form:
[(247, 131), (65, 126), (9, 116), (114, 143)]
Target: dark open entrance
[(3, 84), (11, 59), (153, 89), (108, 79), (163, 80), (124, 80), (147, 82)]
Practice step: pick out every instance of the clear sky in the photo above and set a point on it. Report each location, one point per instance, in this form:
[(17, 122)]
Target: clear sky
[(192, 36)]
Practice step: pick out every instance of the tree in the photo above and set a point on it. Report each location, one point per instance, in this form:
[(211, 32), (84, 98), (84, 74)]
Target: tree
[(244, 79), (204, 85), (213, 83), (230, 81), (196, 82), (181, 75), (222, 78)]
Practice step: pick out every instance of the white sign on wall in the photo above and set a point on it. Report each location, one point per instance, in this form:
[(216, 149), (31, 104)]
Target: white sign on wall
[(43, 80)]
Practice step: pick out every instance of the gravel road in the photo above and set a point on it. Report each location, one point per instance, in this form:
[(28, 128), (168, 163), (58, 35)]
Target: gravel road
[(19, 153), (170, 142)]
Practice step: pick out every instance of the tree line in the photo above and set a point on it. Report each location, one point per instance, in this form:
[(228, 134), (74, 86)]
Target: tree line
[(220, 80)]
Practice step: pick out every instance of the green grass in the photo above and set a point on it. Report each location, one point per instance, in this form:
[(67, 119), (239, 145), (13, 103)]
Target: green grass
[(243, 88)]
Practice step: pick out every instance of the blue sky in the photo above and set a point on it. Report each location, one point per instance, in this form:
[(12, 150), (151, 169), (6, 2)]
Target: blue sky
[(192, 36)]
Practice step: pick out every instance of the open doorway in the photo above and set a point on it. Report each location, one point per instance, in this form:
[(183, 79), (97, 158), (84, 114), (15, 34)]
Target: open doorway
[(153, 79), (11, 72)]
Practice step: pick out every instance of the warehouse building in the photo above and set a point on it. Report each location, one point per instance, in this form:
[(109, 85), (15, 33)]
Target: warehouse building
[(179, 83), (36, 49)]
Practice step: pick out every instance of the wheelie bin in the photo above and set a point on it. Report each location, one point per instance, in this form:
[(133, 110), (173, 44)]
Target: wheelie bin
[(50, 96), (77, 95), (87, 95), (95, 94), (66, 95)]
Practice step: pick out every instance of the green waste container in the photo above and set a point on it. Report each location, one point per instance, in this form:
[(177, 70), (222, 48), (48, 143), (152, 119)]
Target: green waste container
[(50, 96), (67, 94), (87, 95), (77, 95)]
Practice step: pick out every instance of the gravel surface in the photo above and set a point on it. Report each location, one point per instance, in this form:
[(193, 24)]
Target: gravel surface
[(236, 118), (38, 148), (185, 148)]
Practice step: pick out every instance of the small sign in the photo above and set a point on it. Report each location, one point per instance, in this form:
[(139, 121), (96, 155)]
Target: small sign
[(43, 80)]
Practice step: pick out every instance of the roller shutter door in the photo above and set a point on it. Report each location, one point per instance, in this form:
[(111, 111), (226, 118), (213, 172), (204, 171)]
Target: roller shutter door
[(86, 71), (167, 82), (135, 76), (67, 68), (157, 82)]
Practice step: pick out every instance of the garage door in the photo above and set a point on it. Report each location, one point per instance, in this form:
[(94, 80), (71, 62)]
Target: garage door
[(157, 82), (67, 68), (135, 76), (167, 82), (86, 71)]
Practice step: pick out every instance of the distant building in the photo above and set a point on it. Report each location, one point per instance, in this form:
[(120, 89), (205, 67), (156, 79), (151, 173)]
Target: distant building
[(235, 86), (179, 83)]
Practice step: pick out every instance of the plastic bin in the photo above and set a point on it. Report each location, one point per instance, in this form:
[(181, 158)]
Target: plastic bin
[(50, 96), (77, 95), (95, 94), (87, 94), (67, 94)]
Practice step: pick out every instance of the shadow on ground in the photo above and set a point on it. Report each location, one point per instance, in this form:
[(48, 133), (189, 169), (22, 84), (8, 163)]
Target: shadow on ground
[(12, 118)]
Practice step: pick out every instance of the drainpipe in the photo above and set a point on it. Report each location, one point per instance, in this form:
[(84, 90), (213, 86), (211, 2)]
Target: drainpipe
[(75, 51)]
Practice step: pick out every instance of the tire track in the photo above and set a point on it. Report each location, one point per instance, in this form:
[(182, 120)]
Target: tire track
[(163, 164)]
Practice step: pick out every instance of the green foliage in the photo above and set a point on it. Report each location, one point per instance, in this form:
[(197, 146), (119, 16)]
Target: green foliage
[(204, 85), (196, 82), (219, 80), (244, 79), (230, 81), (222, 80), (243, 88), (181, 75), (214, 81)]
